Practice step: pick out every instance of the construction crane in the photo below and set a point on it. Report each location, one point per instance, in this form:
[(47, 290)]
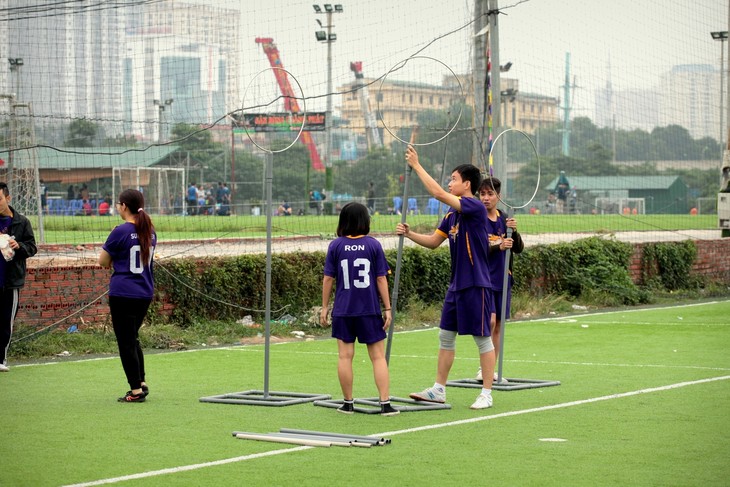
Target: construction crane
[(371, 125), (290, 101)]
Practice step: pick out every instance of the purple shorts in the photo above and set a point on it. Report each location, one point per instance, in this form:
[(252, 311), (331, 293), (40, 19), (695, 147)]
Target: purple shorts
[(367, 329), (498, 304), (468, 312)]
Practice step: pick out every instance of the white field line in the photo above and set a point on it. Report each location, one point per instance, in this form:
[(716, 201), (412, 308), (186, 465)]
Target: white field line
[(253, 347), (521, 361), (186, 468), (645, 323), (634, 310)]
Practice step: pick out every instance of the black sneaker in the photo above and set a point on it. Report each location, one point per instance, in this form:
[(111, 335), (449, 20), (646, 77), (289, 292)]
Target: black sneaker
[(346, 408), (387, 410), (131, 397), (145, 390)]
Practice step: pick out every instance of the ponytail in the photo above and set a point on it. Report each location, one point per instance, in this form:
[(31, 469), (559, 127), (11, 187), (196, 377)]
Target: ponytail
[(143, 223)]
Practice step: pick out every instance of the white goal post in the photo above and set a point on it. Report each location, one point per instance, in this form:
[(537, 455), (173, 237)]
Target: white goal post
[(163, 187), (620, 206)]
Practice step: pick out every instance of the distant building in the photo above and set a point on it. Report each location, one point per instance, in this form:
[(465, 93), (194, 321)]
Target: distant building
[(690, 99), (400, 103), (109, 64)]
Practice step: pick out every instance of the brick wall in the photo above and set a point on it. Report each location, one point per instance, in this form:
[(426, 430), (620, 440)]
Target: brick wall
[(53, 293), (713, 260)]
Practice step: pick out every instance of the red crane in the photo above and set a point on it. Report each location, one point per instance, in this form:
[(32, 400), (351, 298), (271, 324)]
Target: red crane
[(290, 101)]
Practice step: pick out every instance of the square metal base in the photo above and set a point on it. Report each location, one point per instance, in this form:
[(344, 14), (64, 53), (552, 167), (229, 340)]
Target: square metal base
[(258, 398), (511, 384), (372, 405)]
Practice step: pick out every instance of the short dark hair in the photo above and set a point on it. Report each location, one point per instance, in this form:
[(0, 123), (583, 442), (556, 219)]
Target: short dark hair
[(470, 172), (491, 183), (354, 220), (4, 189)]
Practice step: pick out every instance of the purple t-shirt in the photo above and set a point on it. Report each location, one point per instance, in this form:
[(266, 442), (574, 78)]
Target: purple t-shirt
[(131, 278), (497, 233), (356, 263), (468, 243)]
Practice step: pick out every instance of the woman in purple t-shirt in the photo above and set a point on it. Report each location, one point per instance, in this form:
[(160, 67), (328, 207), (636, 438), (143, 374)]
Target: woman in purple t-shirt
[(129, 251)]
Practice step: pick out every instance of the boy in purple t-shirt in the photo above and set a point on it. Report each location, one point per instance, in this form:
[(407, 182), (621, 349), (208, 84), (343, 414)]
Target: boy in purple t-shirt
[(497, 224), (356, 263), (469, 304)]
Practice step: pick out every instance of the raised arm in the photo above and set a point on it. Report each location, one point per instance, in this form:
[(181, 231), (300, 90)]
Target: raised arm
[(433, 187)]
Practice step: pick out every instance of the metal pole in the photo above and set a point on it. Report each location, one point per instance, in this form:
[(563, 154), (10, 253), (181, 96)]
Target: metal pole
[(503, 314), (267, 319), (728, 81), (399, 255), (722, 95), (159, 124), (328, 118)]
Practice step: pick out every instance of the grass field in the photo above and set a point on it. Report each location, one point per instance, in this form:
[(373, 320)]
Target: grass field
[(644, 400), (81, 229)]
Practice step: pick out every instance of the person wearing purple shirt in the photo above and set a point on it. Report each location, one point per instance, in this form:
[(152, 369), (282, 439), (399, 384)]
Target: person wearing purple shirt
[(469, 303), (129, 250), (356, 267)]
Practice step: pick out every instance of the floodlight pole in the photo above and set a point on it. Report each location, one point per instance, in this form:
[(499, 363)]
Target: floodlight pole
[(329, 37)]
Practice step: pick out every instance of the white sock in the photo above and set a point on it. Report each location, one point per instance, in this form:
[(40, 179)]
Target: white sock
[(486, 392), (439, 387)]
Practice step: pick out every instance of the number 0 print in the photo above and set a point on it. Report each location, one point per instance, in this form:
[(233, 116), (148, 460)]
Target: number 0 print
[(363, 273), (135, 259)]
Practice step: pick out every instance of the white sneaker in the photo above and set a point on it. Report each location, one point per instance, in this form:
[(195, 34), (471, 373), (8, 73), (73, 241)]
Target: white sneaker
[(429, 395), (4, 368), (479, 374), (482, 402)]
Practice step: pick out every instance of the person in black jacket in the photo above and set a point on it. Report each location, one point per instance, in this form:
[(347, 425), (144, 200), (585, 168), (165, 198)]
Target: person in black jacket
[(17, 243)]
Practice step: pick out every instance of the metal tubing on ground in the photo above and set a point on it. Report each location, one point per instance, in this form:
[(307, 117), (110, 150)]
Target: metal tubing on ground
[(292, 441), (368, 439)]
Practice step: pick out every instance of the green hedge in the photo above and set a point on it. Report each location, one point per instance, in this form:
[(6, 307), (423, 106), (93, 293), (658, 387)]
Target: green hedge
[(225, 288)]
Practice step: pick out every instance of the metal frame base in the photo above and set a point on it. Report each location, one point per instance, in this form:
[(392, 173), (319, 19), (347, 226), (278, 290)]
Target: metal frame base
[(510, 385), (372, 405), (259, 398)]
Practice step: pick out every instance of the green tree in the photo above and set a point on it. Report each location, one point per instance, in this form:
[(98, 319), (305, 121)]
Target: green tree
[(81, 133)]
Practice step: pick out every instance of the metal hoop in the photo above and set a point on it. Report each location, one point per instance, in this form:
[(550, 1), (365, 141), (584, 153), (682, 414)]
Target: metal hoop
[(304, 119), (400, 65), (537, 157)]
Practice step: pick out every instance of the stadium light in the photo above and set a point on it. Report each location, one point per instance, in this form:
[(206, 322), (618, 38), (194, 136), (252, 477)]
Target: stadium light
[(15, 64), (161, 109), (722, 37), (329, 37)]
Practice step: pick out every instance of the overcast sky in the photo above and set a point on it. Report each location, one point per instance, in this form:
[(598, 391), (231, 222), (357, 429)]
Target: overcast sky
[(641, 39)]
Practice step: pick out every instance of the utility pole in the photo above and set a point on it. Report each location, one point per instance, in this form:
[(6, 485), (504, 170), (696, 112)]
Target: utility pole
[(566, 107)]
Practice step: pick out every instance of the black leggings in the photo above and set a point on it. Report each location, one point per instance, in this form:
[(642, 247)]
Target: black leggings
[(127, 317)]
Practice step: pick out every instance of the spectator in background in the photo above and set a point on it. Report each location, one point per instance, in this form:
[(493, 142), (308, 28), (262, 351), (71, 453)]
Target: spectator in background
[(71, 193), (104, 206), (192, 198), (371, 197), (84, 192), (44, 197), (284, 209), (86, 208), (562, 189), (315, 201)]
